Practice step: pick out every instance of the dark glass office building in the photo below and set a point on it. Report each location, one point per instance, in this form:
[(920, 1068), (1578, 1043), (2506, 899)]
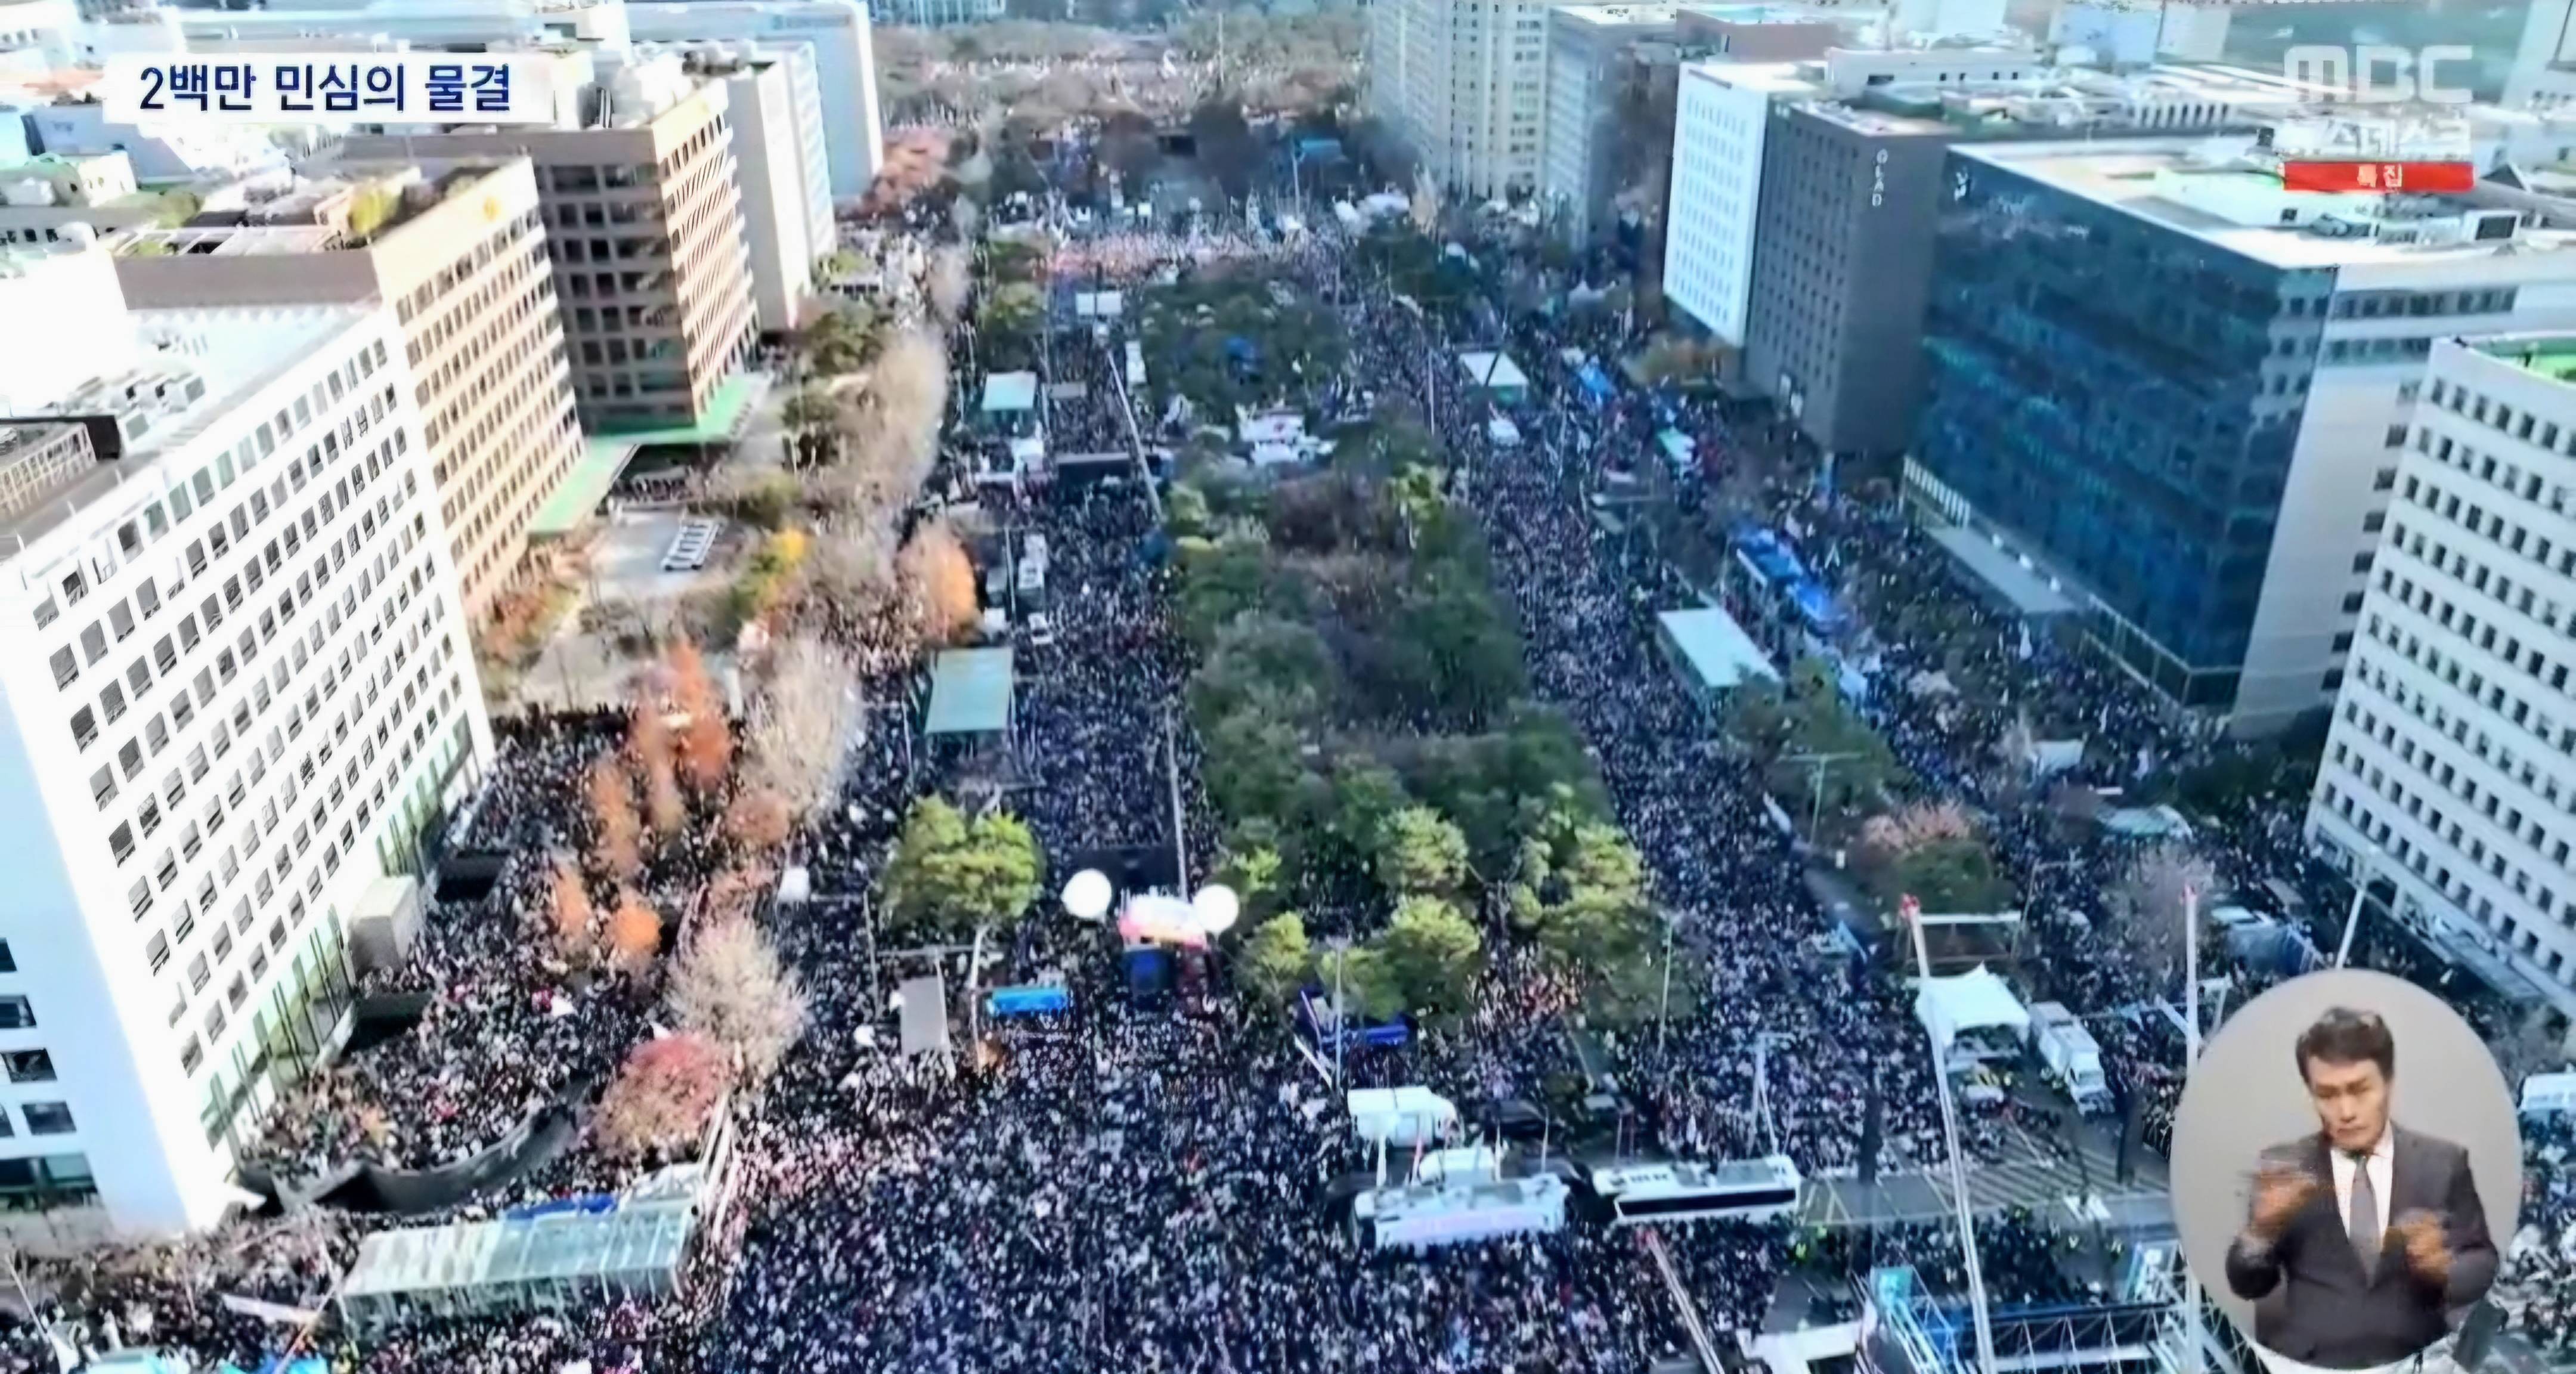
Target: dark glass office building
[(2122, 396)]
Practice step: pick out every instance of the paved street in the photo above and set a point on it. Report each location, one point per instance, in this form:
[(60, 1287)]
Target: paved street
[(2032, 1180)]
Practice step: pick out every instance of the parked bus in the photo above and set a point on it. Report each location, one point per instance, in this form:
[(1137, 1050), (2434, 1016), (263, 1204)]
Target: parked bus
[(1735, 1190)]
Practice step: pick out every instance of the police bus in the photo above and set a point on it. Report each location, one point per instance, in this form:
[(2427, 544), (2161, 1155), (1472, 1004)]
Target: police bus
[(1733, 1190)]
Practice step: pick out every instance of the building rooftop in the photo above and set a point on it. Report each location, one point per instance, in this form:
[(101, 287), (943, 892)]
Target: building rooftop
[(2550, 355), (2225, 193), (1619, 16), (200, 365)]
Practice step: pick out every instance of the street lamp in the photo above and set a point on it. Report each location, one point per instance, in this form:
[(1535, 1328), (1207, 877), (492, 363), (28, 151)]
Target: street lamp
[(2367, 866)]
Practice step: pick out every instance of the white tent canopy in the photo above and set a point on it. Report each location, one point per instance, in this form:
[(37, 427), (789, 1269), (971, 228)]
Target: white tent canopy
[(1975, 1000)]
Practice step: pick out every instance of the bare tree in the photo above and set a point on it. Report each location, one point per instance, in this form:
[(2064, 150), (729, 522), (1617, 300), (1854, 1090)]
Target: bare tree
[(949, 283), (939, 579), (2147, 906), (706, 742), (569, 910), (802, 725), (617, 836), (731, 988), (634, 932), (662, 1096)]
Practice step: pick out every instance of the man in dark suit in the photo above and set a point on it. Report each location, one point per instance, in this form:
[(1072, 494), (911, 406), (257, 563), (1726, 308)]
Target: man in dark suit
[(2365, 1234)]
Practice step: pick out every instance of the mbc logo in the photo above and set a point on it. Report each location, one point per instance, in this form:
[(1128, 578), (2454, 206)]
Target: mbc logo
[(2376, 75)]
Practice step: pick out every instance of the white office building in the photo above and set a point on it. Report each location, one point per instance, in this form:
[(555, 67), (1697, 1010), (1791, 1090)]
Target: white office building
[(786, 179), (1465, 82), (834, 33), (2451, 767), (1722, 114), (241, 685)]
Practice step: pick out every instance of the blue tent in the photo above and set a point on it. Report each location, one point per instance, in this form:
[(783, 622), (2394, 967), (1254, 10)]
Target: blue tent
[(1816, 605), (1597, 387)]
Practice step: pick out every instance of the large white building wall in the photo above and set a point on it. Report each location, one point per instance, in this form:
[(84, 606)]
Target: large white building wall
[(1718, 131), (2451, 766), (834, 32), (84, 332), (2342, 468), (241, 681), (770, 161)]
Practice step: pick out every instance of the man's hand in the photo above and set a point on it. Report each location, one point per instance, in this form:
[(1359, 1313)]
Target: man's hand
[(2279, 1192), (2428, 1254)]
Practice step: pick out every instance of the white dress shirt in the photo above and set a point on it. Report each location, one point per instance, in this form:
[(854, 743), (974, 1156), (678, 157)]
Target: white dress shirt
[(2381, 1161)]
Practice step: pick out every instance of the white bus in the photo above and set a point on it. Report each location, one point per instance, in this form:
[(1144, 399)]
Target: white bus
[(1735, 1190)]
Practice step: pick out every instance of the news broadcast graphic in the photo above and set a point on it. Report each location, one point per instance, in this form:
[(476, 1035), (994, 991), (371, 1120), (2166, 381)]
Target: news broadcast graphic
[(331, 88), (2347, 1171), (2377, 151)]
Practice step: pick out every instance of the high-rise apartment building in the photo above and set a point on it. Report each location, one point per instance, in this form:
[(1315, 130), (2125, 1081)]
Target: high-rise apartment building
[(1465, 82), (2186, 392), (644, 224), (459, 252), (2450, 771), (242, 688)]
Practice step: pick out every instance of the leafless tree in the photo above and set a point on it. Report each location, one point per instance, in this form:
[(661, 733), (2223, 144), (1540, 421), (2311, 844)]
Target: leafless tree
[(706, 742), (617, 836), (2147, 906), (634, 933), (569, 910), (949, 283), (662, 1096), (731, 988), (939, 580), (803, 723)]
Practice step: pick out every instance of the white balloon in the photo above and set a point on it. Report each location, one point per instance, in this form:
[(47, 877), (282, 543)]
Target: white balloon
[(1087, 894), (1217, 908)]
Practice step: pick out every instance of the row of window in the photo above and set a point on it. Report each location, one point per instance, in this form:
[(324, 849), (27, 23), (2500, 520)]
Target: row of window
[(2430, 866)]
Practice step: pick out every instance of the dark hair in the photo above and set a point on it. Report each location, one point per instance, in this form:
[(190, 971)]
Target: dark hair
[(2345, 1036)]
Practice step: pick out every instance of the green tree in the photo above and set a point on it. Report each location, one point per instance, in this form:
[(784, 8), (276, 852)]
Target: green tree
[(1235, 574), (1283, 664), (839, 341), (1949, 876), (1434, 952), (1364, 795), (1186, 511), (1366, 980), (1256, 874), (1276, 959), (949, 875), (1419, 853), (1255, 765)]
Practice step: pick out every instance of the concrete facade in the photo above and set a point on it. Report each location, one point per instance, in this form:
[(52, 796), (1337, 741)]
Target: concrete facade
[(645, 229), (2448, 769), (242, 687), (467, 274)]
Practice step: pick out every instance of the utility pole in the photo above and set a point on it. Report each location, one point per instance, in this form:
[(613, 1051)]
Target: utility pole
[(1816, 791), (1963, 1215), (1664, 1011), (2360, 893), (2197, 1359)]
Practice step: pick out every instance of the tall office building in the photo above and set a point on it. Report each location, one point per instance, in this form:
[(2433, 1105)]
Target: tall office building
[(777, 120), (1465, 82), (457, 249), (2185, 391), (242, 687), (835, 33), (1592, 55), (2450, 771), (1723, 117), (836, 36), (644, 223), (1842, 242)]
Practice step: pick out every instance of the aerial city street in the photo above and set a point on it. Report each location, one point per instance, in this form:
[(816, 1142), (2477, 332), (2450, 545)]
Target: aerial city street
[(785, 687)]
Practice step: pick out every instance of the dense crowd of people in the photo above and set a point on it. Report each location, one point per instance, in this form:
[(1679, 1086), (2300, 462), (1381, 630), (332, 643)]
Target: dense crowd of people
[(1150, 1185)]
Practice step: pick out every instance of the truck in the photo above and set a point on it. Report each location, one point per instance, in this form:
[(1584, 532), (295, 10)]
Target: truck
[(2070, 1057)]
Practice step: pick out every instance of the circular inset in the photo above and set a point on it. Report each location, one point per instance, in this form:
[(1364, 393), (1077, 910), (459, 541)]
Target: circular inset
[(2347, 1169)]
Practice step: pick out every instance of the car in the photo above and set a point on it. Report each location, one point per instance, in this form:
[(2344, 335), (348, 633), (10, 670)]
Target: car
[(1041, 630)]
